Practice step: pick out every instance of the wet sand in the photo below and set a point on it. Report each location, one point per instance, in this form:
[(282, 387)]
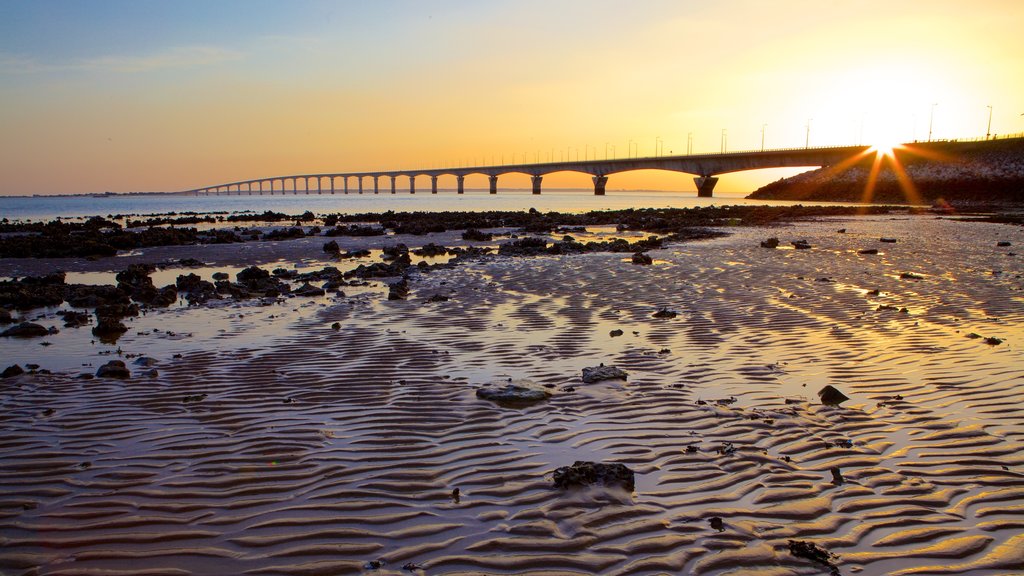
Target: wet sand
[(315, 450)]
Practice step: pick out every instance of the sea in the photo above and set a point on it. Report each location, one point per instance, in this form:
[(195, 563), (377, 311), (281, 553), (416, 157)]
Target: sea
[(43, 208)]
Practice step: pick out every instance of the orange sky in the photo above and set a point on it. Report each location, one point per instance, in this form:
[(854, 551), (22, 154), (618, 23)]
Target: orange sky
[(129, 96)]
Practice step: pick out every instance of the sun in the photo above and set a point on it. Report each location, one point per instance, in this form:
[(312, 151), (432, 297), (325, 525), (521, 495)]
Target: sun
[(886, 147)]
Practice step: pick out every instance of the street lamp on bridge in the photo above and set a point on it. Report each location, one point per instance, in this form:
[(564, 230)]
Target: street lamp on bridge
[(988, 131), (763, 126), (724, 134), (807, 138), (931, 118), (689, 143)]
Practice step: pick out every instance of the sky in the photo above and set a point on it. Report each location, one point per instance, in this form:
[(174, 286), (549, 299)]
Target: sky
[(142, 95)]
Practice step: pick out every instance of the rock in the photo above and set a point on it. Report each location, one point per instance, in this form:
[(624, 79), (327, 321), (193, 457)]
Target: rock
[(117, 311), (12, 370), (307, 290), (512, 395), (602, 372), (887, 240), (251, 274), (665, 313), (868, 251), (73, 319), (5, 317), (615, 333), (438, 298), (837, 476), (582, 474), (113, 369), (831, 396), (770, 243), (993, 341), (332, 247), (145, 361), (841, 231), (642, 259), (812, 552), (362, 253), (398, 290), (801, 245), (220, 276), (151, 373), (1003, 244), (477, 236), (25, 330), (107, 327), (911, 276), (716, 523), (336, 326), (430, 250)]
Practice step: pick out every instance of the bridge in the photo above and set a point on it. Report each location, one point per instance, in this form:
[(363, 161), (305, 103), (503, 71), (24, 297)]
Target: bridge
[(704, 167)]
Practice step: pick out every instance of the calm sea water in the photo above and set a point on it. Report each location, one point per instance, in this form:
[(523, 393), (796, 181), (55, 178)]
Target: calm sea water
[(46, 208)]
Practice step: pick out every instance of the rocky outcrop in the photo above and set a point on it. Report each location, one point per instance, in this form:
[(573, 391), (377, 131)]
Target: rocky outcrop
[(582, 474)]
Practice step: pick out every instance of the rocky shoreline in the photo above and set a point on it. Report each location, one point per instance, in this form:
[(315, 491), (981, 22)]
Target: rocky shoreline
[(976, 175)]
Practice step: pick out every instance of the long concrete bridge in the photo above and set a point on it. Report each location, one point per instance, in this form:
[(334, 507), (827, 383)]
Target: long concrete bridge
[(705, 167)]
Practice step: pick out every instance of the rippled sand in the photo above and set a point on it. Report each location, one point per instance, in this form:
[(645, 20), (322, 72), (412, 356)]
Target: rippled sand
[(316, 451)]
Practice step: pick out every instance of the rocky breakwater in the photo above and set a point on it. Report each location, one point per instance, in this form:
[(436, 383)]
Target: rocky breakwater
[(958, 173)]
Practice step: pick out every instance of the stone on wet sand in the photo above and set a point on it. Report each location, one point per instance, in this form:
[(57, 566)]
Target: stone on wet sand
[(582, 474), (512, 394), (665, 313), (642, 259), (868, 251), (113, 369), (770, 243), (25, 330), (602, 372), (12, 370), (831, 396), (801, 244)]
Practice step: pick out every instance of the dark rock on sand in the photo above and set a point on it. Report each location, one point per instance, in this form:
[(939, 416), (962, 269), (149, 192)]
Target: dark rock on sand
[(911, 276), (812, 552), (582, 474), (868, 251), (512, 395), (113, 369), (438, 298), (220, 276), (73, 319), (332, 247), (887, 240), (5, 317), (145, 361), (770, 243), (642, 259), (837, 476), (615, 333), (831, 396), (602, 372), (309, 291), (717, 523), (1003, 244), (109, 328), (477, 236), (431, 250), (12, 370), (25, 330), (117, 311), (801, 245), (251, 274), (993, 341), (665, 313), (398, 290)]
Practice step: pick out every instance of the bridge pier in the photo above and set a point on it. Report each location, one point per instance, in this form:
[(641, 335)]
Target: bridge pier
[(433, 184), (376, 189), (346, 184), (393, 178), (412, 184), (536, 183), (332, 184), (705, 185), (494, 184), (599, 183), (319, 185), (360, 184), (461, 183)]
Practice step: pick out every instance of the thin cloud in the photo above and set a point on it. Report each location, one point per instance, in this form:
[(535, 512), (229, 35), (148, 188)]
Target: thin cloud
[(181, 57)]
